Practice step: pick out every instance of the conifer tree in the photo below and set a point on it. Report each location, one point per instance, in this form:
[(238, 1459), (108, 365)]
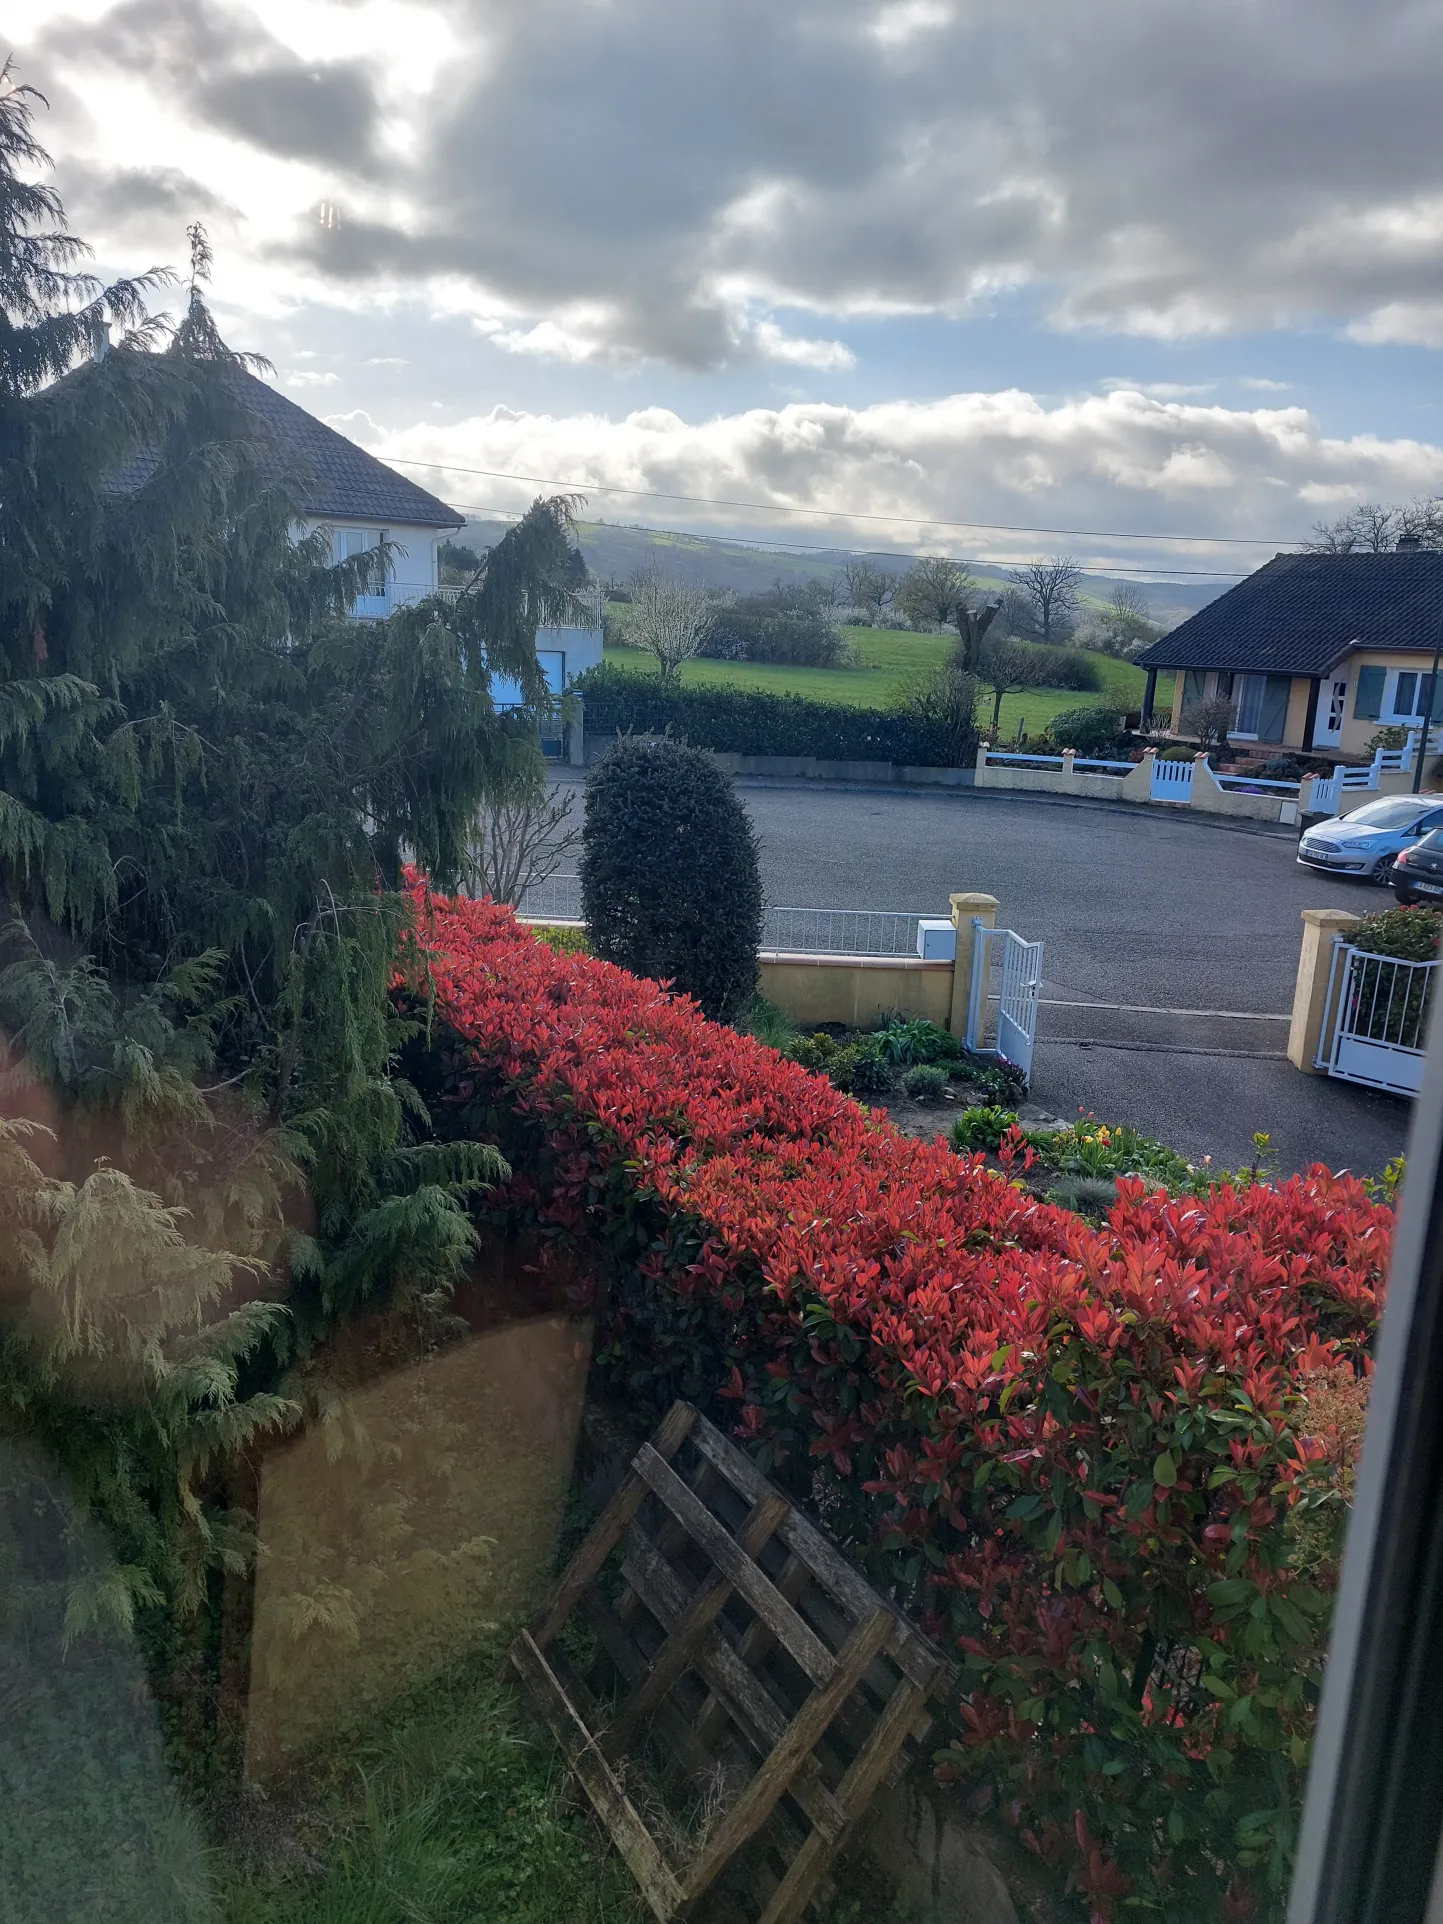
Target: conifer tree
[(210, 778)]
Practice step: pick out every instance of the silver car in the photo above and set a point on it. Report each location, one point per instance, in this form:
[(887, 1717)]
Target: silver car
[(1365, 842)]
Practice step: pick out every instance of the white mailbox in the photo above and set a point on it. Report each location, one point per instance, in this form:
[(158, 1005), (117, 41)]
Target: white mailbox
[(936, 941)]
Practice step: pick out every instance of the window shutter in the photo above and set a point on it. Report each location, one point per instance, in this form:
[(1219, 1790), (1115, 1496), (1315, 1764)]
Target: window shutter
[(1273, 711), (1368, 700)]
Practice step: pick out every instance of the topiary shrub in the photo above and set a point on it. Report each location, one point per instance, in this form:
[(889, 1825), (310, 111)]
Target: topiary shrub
[(669, 882), (1090, 731)]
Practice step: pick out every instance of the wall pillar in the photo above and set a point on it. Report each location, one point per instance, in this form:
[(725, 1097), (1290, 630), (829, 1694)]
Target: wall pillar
[(966, 909), (1310, 993), (1137, 787), (576, 734)]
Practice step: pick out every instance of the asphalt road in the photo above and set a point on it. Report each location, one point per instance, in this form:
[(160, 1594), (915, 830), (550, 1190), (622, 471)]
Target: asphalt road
[(1167, 912)]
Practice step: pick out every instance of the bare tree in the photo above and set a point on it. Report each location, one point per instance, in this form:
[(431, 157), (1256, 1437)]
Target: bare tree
[(669, 617), (519, 839), (1374, 527), (867, 587), (1005, 665), (1015, 616), (1051, 590), (1210, 721), (931, 591)]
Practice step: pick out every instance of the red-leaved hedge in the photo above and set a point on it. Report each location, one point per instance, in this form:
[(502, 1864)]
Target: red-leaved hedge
[(1106, 1464)]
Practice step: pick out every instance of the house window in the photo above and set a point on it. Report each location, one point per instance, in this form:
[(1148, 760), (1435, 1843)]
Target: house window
[(1410, 695), (351, 542)]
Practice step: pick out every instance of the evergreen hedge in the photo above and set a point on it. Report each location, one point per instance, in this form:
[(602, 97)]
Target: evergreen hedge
[(740, 721)]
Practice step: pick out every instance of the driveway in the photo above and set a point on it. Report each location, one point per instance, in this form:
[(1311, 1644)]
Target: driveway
[(1167, 912)]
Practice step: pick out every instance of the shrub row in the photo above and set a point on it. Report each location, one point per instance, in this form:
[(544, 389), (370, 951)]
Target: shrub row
[(1107, 1462), (742, 722), (780, 625)]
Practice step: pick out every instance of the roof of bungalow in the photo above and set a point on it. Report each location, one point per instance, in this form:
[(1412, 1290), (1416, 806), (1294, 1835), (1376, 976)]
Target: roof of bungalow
[(1300, 614)]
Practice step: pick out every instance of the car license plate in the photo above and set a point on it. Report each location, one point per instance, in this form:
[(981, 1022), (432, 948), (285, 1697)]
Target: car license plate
[(1429, 888)]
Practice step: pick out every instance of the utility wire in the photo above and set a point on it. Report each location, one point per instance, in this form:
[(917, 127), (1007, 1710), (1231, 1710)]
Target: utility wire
[(838, 514)]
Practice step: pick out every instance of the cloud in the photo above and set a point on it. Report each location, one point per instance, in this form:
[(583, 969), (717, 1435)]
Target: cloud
[(311, 377), (645, 181), (356, 425), (773, 345), (1120, 461), (222, 65)]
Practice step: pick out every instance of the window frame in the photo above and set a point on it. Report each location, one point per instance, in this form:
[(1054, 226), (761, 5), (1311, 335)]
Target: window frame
[(1368, 1849)]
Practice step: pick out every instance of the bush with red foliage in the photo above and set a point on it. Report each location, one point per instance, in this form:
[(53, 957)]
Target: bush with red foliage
[(1084, 1455)]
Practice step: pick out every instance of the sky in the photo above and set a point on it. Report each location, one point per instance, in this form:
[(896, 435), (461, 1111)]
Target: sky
[(1152, 283)]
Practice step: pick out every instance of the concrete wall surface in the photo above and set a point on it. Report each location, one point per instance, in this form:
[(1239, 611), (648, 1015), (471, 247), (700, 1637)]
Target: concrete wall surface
[(860, 991)]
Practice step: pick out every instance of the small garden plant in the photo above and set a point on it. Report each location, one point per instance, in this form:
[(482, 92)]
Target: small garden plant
[(926, 1083), (1092, 1148), (983, 1128)]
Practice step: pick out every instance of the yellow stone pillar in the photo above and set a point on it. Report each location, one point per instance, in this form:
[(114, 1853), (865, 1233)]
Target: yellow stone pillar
[(1137, 787), (965, 910), (1310, 994)]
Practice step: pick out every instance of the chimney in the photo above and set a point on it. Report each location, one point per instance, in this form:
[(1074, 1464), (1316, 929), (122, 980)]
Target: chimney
[(1409, 543)]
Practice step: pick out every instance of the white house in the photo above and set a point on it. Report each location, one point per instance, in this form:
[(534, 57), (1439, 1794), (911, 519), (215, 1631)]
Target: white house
[(362, 502), (358, 499)]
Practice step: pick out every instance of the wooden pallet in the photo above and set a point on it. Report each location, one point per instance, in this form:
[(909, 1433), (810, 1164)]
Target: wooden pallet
[(716, 1644)]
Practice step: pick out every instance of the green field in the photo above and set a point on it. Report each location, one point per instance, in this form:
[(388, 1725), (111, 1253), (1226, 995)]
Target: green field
[(892, 659)]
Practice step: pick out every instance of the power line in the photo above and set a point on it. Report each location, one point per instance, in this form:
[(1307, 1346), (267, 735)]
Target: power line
[(836, 514), (885, 554)]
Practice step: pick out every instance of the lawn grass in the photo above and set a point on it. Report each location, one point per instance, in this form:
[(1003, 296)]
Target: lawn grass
[(453, 1808), (892, 659)]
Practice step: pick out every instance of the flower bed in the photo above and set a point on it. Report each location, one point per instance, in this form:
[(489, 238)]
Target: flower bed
[(1084, 1454)]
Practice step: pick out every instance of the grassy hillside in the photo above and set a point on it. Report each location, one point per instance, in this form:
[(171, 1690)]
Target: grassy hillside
[(890, 661)]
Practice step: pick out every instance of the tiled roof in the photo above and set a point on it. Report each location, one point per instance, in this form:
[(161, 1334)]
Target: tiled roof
[(1301, 613), (342, 482)]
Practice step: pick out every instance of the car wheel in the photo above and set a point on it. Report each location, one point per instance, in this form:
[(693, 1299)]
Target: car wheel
[(1405, 898), (1383, 873)]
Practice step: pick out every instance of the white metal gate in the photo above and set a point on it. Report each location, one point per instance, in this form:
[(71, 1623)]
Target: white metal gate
[(1375, 1025), (1019, 965)]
